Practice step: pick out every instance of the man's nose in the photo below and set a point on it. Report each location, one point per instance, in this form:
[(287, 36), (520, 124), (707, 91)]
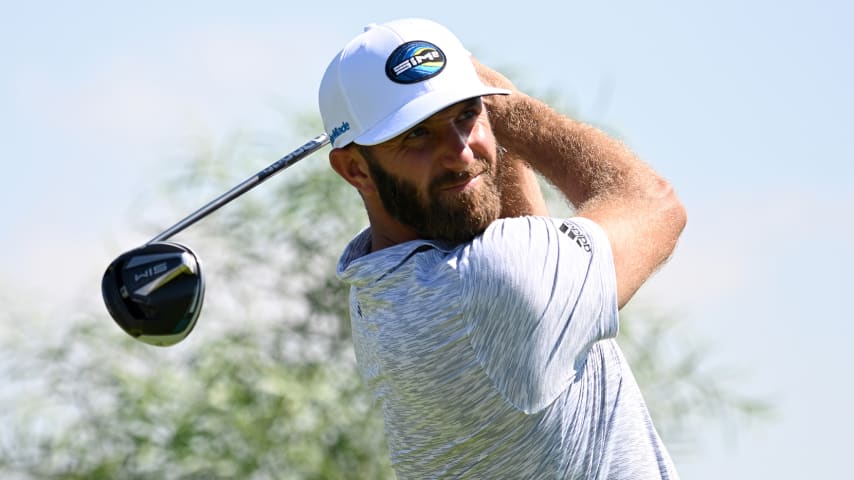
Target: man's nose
[(455, 153)]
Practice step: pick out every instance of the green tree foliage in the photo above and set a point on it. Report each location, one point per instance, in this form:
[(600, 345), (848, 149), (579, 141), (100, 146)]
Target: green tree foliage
[(231, 408), (266, 386)]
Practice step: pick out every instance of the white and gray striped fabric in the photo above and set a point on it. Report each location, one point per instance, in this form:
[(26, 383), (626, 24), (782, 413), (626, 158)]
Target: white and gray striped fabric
[(496, 358)]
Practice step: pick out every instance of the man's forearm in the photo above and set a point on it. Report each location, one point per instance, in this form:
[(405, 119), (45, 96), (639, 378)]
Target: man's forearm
[(603, 179), (580, 160)]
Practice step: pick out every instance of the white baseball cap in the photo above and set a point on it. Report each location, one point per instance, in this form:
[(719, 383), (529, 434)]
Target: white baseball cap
[(391, 77)]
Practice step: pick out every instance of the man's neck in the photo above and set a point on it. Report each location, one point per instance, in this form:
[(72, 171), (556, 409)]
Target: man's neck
[(387, 232)]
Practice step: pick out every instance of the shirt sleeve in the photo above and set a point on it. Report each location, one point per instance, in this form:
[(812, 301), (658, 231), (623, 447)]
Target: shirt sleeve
[(537, 292)]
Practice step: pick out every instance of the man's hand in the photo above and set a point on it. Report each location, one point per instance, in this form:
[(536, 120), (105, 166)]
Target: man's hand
[(606, 182), (492, 78), (517, 181)]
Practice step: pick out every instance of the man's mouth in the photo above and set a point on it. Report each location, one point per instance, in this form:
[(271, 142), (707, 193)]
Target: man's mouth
[(461, 184)]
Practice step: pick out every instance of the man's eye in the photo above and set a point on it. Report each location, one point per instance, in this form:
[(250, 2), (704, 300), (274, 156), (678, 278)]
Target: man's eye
[(417, 132), (468, 114)]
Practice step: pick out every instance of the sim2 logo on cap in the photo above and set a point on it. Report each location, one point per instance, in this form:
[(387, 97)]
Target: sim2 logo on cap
[(414, 62)]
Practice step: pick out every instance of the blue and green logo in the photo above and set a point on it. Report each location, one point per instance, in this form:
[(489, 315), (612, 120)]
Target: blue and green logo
[(414, 62)]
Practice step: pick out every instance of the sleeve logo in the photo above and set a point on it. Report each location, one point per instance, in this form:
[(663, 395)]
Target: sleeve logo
[(576, 234)]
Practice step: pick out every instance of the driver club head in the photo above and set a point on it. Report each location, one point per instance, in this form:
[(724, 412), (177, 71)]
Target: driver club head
[(155, 292)]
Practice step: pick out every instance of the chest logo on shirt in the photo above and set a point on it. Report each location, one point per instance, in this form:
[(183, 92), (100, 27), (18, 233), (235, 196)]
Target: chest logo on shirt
[(576, 234)]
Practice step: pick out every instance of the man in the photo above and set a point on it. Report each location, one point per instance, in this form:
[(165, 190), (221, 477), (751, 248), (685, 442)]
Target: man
[(484, 328)]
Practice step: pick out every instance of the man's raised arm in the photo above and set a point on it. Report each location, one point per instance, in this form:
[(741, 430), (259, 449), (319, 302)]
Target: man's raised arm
[(604, 181)]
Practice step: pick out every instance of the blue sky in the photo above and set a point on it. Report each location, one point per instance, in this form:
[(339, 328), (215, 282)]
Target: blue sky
[(744, 106)]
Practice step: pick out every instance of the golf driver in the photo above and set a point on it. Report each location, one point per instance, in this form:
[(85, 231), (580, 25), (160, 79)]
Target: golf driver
[(155, 292)]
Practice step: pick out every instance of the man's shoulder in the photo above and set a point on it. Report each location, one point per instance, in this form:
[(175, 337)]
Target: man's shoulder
[(534, 236), (358, 264), (529, 258)]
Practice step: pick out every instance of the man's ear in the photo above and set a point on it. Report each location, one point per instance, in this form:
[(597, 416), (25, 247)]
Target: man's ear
[(352, 167)]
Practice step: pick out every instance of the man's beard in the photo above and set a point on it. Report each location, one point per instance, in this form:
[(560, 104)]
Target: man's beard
[(453, 217)]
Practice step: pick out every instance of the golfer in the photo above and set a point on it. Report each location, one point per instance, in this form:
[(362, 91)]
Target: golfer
[(484, 327)]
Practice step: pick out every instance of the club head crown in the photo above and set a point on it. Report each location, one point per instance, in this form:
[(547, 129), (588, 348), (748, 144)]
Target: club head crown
[(155, 292)]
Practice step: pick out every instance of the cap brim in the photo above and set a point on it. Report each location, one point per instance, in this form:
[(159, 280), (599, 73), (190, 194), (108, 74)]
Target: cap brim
[(420, 109)]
